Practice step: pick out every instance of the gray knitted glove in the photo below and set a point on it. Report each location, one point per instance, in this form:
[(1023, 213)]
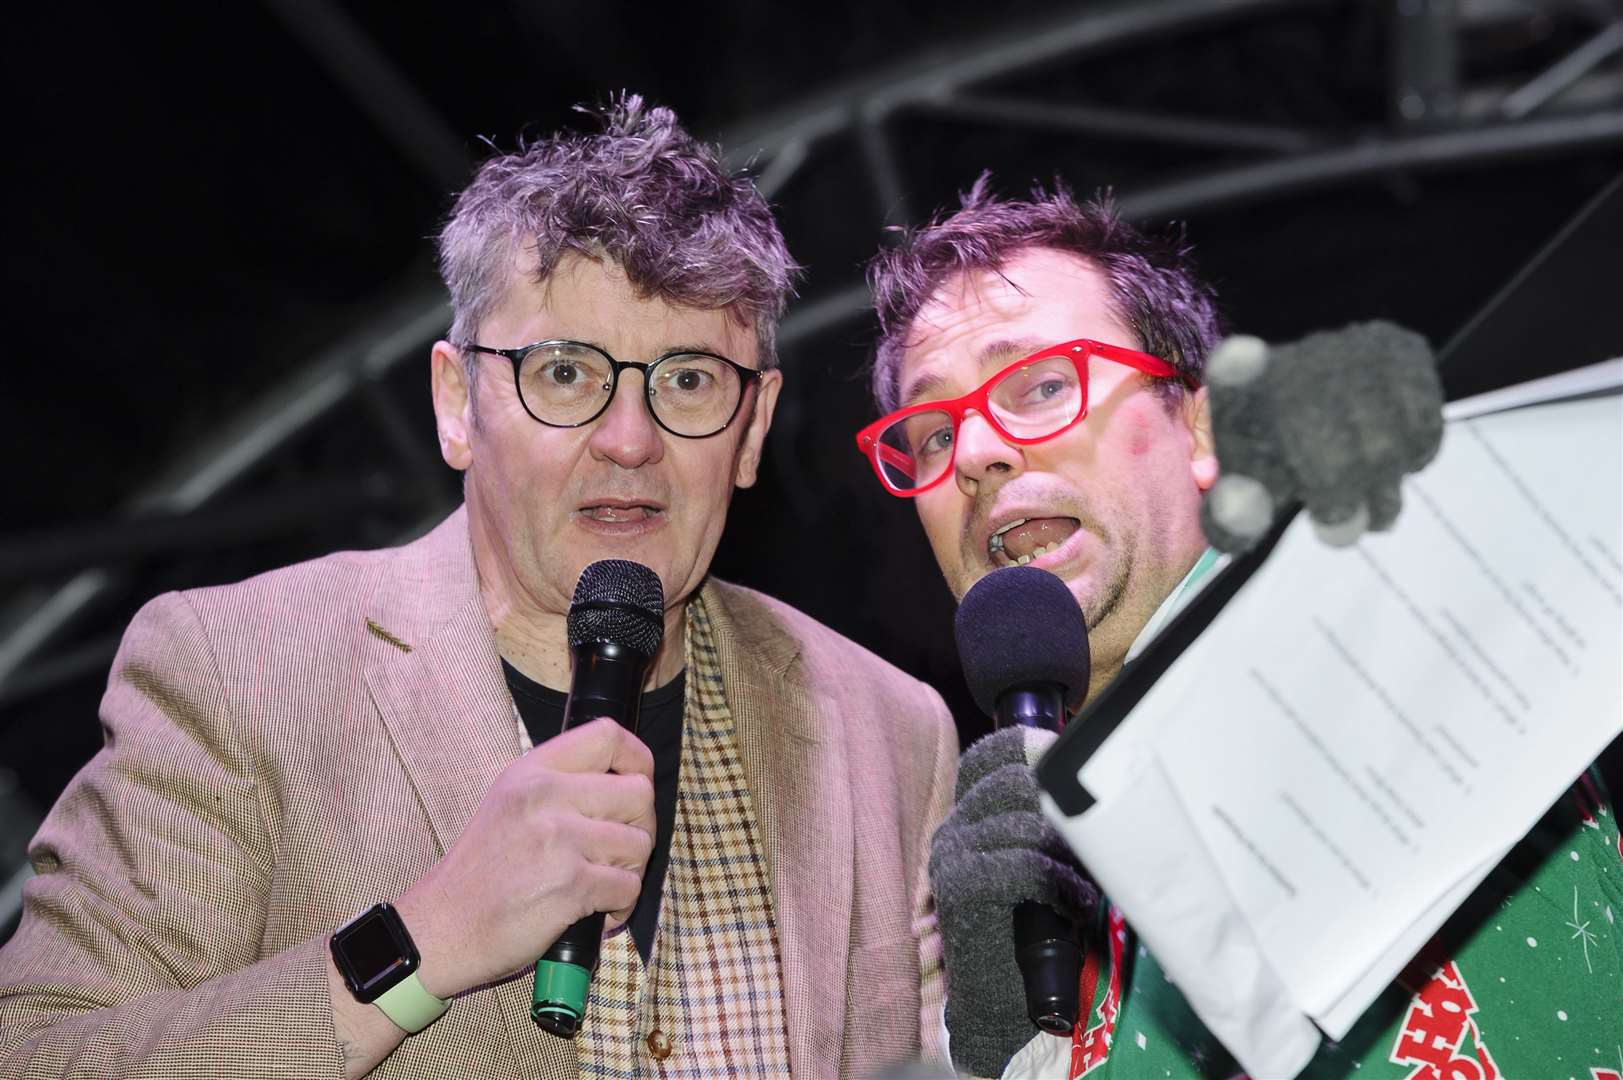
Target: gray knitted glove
[(993, 851), (1334, 421)]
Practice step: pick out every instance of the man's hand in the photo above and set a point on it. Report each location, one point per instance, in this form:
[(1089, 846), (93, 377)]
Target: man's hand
[(1334, 421), (993, 851), (564, 832)]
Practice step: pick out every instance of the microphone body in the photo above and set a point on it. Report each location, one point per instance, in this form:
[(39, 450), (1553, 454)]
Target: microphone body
[(1023, 642), (1048, 949), (1047, 944), (615, 627), (607, 682), (1040, 705)]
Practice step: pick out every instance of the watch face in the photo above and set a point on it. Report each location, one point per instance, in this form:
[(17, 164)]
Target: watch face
[(374, 952)]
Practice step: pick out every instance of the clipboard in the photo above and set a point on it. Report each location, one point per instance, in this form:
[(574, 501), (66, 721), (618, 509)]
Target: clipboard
[(1057, 770), (1498, 340)]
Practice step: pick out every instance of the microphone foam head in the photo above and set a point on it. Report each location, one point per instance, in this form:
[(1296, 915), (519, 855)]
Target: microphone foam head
[(619, 601), (1018, 626)]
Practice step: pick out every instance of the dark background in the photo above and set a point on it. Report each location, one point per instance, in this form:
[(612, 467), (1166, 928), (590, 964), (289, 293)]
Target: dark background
[(221, 291)]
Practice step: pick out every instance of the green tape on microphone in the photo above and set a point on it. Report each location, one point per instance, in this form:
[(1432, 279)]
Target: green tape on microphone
[(560, 996)]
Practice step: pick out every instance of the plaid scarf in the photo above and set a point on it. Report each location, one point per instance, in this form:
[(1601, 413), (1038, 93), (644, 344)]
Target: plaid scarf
[(710, 1001)]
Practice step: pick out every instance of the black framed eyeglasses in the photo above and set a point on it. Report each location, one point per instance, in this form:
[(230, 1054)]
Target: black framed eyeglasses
[(569, 384)]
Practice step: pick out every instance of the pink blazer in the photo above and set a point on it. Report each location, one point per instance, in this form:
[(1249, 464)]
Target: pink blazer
[(286, 751)]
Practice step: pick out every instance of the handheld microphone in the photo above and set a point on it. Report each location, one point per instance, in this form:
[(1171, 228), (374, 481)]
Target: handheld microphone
[(616, 621), (1023, 642)]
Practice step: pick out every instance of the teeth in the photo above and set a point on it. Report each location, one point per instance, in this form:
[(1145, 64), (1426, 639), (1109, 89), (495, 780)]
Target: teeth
[(617, 513), (1003, 558), (1000, 557), (995, 544)]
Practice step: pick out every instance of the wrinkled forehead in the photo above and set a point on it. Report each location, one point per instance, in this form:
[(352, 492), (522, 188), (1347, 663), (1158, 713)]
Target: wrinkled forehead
[(593, 299)]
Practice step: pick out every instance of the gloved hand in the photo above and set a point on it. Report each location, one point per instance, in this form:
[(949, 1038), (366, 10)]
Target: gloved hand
[(1334, 421), (993, 851)]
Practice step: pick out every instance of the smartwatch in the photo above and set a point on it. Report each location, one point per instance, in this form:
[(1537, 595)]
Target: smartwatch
[(379, 962)]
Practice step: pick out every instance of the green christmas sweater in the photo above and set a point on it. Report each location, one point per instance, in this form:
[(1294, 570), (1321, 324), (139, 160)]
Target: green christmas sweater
[(1525, 981)]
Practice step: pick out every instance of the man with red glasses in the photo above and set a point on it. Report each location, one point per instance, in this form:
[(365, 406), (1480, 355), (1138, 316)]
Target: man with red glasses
[(1040, 374), (1044, 406)]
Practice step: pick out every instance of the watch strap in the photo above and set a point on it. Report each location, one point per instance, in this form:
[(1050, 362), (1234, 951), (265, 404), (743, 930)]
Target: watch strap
[(410, 1007)]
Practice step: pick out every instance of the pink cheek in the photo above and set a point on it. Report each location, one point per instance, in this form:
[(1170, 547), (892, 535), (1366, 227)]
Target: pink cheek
[(1144, 435), (1145, 429)]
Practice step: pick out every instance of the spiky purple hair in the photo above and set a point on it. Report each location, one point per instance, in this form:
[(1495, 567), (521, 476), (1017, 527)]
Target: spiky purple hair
[(642, 193), (1152, 280)]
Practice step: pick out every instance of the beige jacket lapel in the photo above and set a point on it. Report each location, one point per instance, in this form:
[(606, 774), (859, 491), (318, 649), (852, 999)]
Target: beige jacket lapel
[(438, 685), (796, 769), (440, 691)]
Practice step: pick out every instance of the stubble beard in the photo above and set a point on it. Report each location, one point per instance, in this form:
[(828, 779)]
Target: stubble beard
[(1107, 600), (1103, 602)]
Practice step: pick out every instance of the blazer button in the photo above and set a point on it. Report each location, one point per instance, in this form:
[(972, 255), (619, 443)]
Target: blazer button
[(659, 1045)]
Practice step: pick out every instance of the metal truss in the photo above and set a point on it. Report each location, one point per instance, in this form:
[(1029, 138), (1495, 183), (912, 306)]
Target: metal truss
[(1435, 121)]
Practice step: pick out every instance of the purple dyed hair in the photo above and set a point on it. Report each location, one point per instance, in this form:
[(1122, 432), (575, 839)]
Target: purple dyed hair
[(1153, 285), (642, 193)]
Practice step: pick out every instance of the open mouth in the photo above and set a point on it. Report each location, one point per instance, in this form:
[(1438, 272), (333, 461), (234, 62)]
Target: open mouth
[(1025, 539), (620, 514)]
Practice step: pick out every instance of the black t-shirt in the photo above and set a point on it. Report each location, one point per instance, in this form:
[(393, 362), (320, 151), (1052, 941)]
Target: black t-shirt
[(659, 725)]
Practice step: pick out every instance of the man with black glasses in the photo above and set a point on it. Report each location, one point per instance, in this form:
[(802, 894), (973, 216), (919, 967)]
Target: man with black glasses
[(1040, 375), (379, 732)]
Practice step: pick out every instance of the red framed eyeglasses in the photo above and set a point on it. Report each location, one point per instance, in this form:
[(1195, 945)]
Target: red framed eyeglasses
[(1033, 399)]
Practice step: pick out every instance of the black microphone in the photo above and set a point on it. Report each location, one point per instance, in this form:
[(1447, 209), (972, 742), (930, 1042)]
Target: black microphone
[(615, 625), (1023, 642)]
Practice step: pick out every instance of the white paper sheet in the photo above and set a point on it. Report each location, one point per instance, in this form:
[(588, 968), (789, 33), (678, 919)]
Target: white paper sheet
[(1361, 734), (1140, 857)]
